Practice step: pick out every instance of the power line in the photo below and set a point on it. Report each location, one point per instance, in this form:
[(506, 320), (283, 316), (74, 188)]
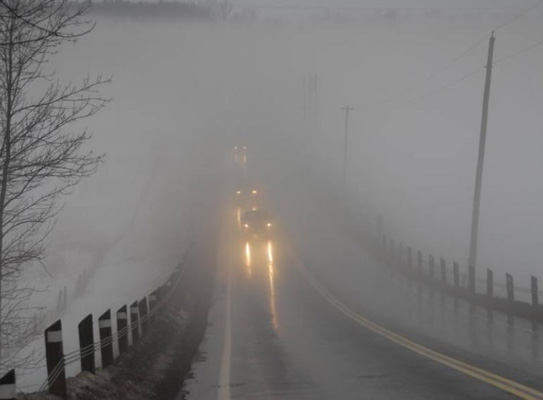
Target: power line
[(441, 88), (520, 52), (433, 74), (522, 14), (457, 58)]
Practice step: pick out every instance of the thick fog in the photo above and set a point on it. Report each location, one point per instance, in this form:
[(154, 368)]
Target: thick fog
[(183, 93)]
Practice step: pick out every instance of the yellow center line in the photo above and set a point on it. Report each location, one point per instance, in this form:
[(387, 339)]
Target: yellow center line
[(512, 387)]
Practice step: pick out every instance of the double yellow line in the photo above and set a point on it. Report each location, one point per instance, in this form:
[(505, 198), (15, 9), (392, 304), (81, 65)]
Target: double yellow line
[(512, 387)]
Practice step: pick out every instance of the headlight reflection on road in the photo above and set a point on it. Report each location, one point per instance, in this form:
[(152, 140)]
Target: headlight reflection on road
[(239, 217), (271, 275), (248, 258), (270, 253)]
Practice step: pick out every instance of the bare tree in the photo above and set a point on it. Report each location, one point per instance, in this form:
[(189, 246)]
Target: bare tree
[(42, 153), (224, 9)]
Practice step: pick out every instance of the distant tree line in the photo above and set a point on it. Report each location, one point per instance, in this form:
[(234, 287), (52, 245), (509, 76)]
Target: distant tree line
[(225, 10), (145, 10), (396, 14)]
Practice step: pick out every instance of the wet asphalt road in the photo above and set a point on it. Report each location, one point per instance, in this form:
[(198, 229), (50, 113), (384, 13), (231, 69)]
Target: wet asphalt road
[(272, 335)]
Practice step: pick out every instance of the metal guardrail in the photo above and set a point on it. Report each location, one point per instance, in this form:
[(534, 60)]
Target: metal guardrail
[(427, 269), (57, 360)]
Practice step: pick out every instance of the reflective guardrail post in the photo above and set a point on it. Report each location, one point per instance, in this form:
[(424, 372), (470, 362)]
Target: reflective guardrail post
[(54, 354), (153, 298), (535, 291), (7, 386), (122, 329), (510, 288), (134, 322), (419, 263), (106, 341), (86, 344), (456, 275), (443, 271), (143, 316), (431, 268), (391, 254), (471, 279), (489, 283)]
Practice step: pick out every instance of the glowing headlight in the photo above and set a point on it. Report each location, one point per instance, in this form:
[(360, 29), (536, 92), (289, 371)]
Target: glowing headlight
[(269, 224), (254, 192), (238, 192), (246, 225)]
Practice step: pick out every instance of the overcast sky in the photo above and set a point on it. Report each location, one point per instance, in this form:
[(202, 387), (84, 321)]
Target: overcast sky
[(387, 3), (391, 3)]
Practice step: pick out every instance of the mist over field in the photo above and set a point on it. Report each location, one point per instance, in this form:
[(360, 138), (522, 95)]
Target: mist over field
[(184, 93)]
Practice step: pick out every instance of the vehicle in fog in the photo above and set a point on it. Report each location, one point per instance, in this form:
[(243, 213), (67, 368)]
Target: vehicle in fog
[(247, 199), (240, 155), (257, 224)]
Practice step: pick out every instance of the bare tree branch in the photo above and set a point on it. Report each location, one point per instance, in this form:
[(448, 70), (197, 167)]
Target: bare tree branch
[(45, 26)]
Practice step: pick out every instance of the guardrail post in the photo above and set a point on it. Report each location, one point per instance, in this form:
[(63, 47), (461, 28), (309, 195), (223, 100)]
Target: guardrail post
[(160, 292), (384, 246), (409, 258), (535, 291), (443, 271), (167, 286), (489, 283), (106, 341), (143, 316), (471, 279), (153, 298), (54, 354), (86, 344), (7, 386), (134, 322), (174, 275), (400, 255), (510, 288), (419, 262), (431, 266), (391, 253), (456, 275), (122, 329)]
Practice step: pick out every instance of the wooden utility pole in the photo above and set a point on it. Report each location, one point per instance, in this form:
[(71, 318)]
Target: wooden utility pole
[(480, 161), (347, 109)]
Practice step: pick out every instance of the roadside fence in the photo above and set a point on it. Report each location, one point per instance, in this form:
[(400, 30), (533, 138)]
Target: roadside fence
[(497, 293), (133, 323)]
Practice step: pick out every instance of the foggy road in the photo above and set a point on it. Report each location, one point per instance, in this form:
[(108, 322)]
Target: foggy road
[(360, 127), (281, 329)]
